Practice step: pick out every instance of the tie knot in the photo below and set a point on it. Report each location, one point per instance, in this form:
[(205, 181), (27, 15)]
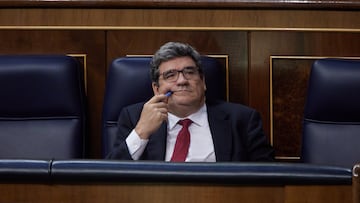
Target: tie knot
[(185, 123)]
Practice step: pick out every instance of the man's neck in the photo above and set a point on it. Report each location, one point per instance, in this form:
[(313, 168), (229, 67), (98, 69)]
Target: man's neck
[(185, 111)]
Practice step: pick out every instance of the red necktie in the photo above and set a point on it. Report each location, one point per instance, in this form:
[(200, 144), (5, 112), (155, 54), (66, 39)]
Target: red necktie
[(182, 142)]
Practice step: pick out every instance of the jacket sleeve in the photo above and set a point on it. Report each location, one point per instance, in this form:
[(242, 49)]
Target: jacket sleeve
[(126, 123), (258, 146)]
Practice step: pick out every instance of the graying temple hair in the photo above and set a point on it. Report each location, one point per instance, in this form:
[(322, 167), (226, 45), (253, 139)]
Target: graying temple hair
[(170, 51)]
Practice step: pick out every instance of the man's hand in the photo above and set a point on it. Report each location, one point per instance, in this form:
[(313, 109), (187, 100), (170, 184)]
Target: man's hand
[(153, 114)]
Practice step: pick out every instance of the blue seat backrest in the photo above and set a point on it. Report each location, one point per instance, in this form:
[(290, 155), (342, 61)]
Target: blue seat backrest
[(128, 82), (331, 128), (42, 107)]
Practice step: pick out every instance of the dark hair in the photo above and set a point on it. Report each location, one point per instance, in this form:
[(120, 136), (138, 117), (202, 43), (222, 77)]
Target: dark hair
[(170, 51)]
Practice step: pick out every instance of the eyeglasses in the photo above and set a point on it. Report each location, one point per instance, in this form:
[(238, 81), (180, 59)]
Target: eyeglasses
[(172, 75)]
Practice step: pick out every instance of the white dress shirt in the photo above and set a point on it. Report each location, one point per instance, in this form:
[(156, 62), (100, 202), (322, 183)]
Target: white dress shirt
[(201, 147)]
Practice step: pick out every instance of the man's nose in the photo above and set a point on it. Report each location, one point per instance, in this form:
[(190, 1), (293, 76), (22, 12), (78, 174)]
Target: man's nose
[(181, 77)]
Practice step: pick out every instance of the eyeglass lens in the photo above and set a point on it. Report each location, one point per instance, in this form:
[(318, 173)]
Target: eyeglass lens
[(188, 73)]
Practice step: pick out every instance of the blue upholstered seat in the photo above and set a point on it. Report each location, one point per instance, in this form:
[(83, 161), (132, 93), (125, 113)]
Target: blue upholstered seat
[(128, 82), (331, 128), (42, 107)]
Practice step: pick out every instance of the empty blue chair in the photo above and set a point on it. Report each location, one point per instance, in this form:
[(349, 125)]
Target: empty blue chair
[(42, 107), (331, 128)]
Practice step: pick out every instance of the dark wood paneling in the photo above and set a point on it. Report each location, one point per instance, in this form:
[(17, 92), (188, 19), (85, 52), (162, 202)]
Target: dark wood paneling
[(170, 19), (174, 193), (329, 193), (90, 43), (289, 85), (231, 43), (263, 45)]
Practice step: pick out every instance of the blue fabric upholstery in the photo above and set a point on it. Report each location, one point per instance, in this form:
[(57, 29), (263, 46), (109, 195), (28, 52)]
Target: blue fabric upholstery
[(108, 171), (331, 128), (42, 107), (128, 82), (83, 171), (24, 170)]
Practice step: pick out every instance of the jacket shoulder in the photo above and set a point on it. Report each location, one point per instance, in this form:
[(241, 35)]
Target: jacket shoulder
[(230, 107)]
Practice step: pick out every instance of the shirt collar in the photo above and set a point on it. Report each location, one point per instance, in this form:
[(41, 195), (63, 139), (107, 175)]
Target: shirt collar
[(199, 118)]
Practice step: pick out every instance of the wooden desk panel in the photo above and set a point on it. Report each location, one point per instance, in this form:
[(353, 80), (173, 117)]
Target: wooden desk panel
[(156, 182), (165, 193), (312, 193)]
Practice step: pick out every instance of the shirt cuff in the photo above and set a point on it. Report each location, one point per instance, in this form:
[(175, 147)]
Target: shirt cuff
[(136, 145)]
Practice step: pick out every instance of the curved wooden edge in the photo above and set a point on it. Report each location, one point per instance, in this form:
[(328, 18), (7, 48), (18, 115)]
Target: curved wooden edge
[(356, 183), (189, 4)]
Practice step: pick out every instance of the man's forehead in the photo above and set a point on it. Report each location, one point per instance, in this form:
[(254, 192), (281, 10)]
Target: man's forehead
[(177, 63)]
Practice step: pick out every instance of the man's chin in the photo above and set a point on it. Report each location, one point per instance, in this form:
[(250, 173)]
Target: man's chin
[(183, 102)]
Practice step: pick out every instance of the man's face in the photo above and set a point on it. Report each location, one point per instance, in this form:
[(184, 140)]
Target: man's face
[(187, 92)]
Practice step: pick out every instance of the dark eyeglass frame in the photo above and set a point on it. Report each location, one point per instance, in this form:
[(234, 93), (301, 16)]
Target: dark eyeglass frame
[(189, 73)]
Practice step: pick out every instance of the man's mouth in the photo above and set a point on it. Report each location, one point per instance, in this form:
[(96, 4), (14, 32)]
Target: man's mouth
[(181, 90)]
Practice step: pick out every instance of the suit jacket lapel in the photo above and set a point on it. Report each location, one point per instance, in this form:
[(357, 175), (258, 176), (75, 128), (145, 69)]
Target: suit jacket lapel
[(220, 128)]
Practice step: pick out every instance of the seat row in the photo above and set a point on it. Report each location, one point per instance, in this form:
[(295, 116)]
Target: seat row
[(43, 106), (43, 103)]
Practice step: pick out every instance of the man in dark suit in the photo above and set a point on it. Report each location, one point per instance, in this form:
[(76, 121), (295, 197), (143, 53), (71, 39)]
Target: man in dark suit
[(216, 130)]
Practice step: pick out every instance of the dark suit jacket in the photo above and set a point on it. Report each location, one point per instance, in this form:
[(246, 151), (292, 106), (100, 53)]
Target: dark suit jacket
[(236, 130)]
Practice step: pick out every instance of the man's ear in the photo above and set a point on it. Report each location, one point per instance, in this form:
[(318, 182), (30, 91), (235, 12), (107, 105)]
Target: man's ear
[(155, 88)]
